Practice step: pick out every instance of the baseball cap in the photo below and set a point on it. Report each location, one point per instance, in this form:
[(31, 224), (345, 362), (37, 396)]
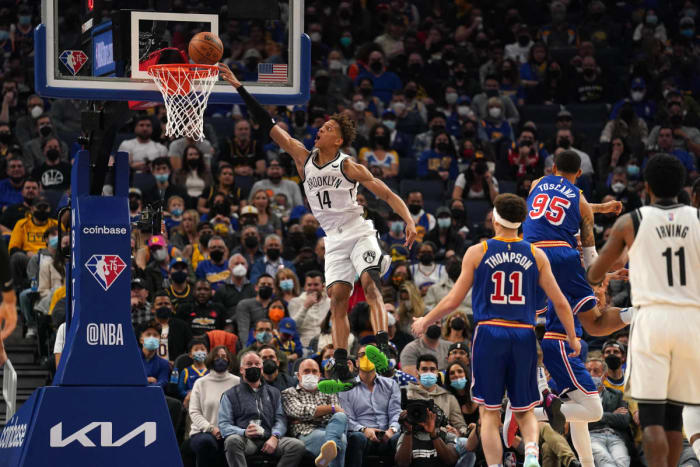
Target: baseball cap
[(321, 72), (458, 345), (138, 282), (687, 20), (156, 240), (178, 260), (288, 326), (639, 83), (249, 210)]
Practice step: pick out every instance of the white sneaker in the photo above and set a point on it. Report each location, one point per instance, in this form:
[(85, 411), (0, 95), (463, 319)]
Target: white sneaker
[(329, 451)]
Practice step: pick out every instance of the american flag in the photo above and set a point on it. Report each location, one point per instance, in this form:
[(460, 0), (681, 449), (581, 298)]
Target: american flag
[(272, 73)]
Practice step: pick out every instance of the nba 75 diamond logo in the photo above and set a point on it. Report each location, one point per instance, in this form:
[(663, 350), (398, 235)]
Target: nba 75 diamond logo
[(105, 269)]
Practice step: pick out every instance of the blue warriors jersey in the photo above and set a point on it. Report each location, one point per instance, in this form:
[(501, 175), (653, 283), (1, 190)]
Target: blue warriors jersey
[(553, 211), (505, 282)]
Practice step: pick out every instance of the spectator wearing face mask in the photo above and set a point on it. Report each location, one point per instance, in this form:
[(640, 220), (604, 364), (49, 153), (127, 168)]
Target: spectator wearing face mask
[(456, 330), (407, 121), (644, 107), (446, 235), (429, 343), (156, 272), (272, 261), (618, 188), (438, 291), (238, 287), (426, 271), (163, 189), (310, 308), (520, 49), (685, 137), (425, 222), (494, 128), (250, 310), (440, 161), (425, 141), (271, 369), (157, 368), (589, 85), (54, 172), (197, 351), (33, 150), (180, 290), (378, 156), (524, 156), (399, 141), (25, 127), (175, 333), (175, 210), (615, 356), (263, 336), (627, 126), (215, 269), (384, 82)]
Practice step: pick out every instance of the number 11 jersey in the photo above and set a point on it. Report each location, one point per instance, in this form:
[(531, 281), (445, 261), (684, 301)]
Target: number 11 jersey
[(665, 256), (553, 211), (332, 195)]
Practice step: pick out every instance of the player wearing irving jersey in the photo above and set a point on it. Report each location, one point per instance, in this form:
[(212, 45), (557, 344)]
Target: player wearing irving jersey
[(663, 360), (352, 248), (505, 272)]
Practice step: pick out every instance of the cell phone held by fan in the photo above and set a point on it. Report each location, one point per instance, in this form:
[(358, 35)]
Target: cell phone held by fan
[(380, 434)]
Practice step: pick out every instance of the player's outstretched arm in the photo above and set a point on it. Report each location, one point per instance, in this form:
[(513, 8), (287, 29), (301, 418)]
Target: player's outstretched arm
[(359, 173), (605, 208), (561, 304), (290, 145), (447, 305), (621, 236)]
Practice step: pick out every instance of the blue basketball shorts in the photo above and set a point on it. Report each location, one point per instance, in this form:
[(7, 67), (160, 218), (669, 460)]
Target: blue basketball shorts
[(569, 373), (571, 277)]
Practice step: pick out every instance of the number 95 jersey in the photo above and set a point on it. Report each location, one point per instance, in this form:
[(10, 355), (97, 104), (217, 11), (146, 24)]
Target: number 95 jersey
[(553, 211), (331, 194)]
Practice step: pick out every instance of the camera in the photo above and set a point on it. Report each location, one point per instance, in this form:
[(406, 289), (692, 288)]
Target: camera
[(417, 410), (151, 218)]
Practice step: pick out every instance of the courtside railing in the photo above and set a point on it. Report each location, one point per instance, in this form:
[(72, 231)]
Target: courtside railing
[(9, 390)]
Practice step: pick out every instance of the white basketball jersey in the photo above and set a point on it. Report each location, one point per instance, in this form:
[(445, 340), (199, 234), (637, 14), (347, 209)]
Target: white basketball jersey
[(664, 259), (332, 195)]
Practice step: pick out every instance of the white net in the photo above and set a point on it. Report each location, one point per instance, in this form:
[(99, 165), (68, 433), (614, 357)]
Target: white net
[(185, 90)]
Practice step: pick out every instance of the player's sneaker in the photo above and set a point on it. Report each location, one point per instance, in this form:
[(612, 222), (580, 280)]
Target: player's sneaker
[(552, 406), (378, 356), (510, 426), (339, 380), (531, 461), (329, 451)]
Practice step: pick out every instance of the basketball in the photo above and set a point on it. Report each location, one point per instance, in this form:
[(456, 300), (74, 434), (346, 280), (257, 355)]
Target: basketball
[(205, 48)]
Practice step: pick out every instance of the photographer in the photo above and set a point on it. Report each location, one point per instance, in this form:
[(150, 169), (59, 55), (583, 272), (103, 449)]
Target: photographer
[(421, 444)]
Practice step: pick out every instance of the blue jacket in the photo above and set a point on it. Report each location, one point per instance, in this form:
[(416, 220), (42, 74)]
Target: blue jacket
[(241, 404), (157, 367), (260, 266)]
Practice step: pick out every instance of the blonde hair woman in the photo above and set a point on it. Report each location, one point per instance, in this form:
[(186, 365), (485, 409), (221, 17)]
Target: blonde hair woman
[(286, 285), (410, 306)]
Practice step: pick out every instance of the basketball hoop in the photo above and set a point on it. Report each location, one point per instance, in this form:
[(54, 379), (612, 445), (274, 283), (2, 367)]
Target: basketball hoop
[(185, 89)]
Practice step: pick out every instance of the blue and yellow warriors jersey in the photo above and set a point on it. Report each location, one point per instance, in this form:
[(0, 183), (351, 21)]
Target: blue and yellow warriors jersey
[(553, 212), (505, 282)]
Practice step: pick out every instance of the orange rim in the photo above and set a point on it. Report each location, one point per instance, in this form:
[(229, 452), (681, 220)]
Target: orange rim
[(177, 78)]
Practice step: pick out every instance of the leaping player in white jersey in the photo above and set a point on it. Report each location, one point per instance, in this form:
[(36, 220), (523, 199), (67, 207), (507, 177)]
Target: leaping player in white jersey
[(331, 180), (663, 363)]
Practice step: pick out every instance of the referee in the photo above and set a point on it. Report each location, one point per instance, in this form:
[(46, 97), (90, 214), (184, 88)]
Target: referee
[(8, 307)]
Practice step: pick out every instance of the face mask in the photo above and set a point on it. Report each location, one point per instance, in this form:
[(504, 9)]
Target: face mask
[(25, 19), (451, 98), (262, 336), (239, 270), (366, 92), (613, 361), (495, 112), (133, 205), (597, 380), (345, 41), (335, 65), (151, 343), (390, 124), (273, 254), (309, 382), (41, 216), (53, 154), (177, 212), (199, 356), (454, 269), (287, 284), (564, 143), (433, 332), (358, 106), (163, 312), (251, 242), (162, 178), (160, 254), (637, 95), (396, 227), (216, 255), (426, 259), (376, 66), (444, 222), (411, 93), (220, 365), (382, 140), (458, 383), (443, 147), (192, 163), (523, 40), (179, 277), (53, 242), (457, 324), (618, 187), (688, 33), (458, 214), (4, 35), (45, 130), (398, 107), (269, 367), (275, 314), (463, 110), (315, 36), (252, 374), (428, 380), (652, 19), (365, 364), (36, 111), (415, 209), (265, 292), (633, 171)]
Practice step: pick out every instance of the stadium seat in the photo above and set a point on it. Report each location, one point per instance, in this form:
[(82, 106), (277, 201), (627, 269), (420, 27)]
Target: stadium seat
[(588, 113), (539, 113), (432, 189), (476, 211), (407, 167), (506, 186), (222, 125)]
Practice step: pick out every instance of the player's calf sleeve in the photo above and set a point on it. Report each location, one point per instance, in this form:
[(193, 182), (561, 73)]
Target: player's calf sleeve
[(582, 443), (582, 408)]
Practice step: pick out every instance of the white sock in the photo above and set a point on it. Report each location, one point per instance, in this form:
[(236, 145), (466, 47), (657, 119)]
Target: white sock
[(691, 425), (531, 449), (582, 442), (541, 379)]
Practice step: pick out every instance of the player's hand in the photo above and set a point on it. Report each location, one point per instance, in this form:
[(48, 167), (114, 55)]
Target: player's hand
[(410, 234), (619, 275), (418, 326), (575, 347), (611, 206), (8, 314), (227, 75)]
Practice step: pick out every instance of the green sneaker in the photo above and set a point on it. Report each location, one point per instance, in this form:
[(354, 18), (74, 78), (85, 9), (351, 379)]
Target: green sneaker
[(339, 380), (376, 356)]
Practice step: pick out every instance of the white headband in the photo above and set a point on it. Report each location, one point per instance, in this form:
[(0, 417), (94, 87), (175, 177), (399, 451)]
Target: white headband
[(503, 222)]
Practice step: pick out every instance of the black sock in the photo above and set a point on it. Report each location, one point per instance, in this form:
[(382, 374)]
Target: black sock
[(341, 357), (382, 338)]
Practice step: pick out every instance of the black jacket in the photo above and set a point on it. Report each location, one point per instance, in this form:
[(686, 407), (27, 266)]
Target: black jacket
[(179, 335)]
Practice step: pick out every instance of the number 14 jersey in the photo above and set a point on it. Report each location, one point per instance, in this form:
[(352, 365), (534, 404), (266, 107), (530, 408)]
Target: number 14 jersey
[(665, 256), (505, 282), (332, 195), (553, 211)]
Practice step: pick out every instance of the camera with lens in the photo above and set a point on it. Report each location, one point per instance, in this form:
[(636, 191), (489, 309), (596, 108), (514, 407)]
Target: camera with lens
[(151, 218), (417, 410)]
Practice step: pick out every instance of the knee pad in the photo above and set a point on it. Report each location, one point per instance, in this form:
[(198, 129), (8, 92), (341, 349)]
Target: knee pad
[(652, 414), (691, 420)]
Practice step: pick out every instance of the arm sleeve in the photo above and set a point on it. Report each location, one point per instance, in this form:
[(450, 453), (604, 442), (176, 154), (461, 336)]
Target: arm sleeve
[(259, 114), (226, 425)]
